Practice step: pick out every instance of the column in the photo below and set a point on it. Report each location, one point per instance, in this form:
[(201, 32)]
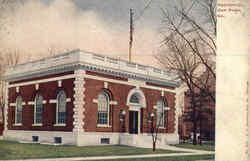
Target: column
[(79, 101), (6, 103)]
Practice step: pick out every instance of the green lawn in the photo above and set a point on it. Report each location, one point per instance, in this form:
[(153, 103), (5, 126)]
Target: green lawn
[(172, 158), (14, 150), (207, 147)]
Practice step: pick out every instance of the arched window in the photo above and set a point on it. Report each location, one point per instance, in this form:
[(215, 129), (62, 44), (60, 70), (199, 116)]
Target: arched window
[(103, 108), (134, 99), (160, 113), (19, 109), (38, 112), (61, 108)]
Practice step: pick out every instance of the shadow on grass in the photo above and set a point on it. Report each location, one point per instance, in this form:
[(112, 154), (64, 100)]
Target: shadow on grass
[(14, 150), (205, 146), (171, 158)]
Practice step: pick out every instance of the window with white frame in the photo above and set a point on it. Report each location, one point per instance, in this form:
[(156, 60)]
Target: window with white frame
[(134, 99), (19, 109), (61, 108), (160, 113), (103, 108), (38, 112)]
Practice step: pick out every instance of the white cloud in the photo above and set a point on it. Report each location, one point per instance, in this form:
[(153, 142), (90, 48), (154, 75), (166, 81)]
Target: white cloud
[(36, 28)]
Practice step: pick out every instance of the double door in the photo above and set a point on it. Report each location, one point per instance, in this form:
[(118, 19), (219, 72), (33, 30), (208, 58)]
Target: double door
[(133, 122)]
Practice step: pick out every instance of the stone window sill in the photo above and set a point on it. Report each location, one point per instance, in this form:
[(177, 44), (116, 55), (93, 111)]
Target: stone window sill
[(103, 125), (134, 104), (59, 124), (37, 124), (17, 124), (162, 128)]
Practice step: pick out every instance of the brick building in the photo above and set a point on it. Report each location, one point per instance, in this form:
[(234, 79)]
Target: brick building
[(83, 98), (206, 121)]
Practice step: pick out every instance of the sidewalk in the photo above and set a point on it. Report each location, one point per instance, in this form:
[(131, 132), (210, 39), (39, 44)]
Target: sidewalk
[(187, 152), (167, 147)]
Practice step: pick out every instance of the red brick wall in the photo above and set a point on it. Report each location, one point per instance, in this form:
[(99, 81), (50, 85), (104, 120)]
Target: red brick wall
[(152, 96), (119, 93), (48, 91), (93, 88)]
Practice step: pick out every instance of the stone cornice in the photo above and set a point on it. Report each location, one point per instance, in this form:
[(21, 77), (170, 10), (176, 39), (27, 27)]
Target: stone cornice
[(91, 62)]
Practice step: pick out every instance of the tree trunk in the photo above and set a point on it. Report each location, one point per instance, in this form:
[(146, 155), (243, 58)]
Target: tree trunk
[(154, 146), (194, 138), (200, 130), (194, 118)]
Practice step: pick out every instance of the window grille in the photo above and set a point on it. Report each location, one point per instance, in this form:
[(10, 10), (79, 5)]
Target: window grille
[(160, 113), (61, 107), (38, 109), (19, 110), (103, 108)]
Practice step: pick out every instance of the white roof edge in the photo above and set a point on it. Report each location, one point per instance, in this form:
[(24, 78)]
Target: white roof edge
[(76, 56)]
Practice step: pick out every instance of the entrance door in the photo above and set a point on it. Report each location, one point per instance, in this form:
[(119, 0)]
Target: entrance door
[(133, 122)]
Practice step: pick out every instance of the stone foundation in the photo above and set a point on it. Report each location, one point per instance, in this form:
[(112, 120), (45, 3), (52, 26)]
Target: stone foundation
[(91, 138)]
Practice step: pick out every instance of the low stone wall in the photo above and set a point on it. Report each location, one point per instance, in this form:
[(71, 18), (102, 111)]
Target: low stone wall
[(145, 140), (91, 138), (98, 138), (68, 138)]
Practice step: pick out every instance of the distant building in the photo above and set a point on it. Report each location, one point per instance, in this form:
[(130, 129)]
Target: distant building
[(205, 125), (83, 98)]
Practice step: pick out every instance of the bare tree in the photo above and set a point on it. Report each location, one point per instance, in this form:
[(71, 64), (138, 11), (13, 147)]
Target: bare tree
[(189, 48), (154, 129), (13, 56), (8, 58), (1, 92), (53, 50)]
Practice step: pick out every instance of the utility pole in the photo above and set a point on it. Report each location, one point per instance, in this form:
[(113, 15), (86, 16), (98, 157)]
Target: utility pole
[(131, 35)]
